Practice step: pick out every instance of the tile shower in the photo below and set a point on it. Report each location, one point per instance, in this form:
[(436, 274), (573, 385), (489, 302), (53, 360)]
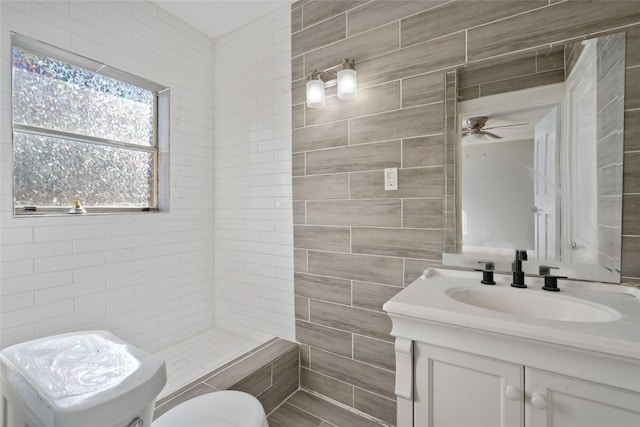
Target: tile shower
[(150, 278)]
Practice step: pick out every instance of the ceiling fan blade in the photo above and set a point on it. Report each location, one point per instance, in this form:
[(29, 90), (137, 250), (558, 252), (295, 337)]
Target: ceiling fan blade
[(492, 135), (506, 126)]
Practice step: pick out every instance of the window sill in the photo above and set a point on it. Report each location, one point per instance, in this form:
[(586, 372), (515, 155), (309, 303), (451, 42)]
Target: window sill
[(47, 211)]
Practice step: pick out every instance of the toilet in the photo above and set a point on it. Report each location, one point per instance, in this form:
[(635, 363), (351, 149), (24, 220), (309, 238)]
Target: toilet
[(217, 409), (94, 378)]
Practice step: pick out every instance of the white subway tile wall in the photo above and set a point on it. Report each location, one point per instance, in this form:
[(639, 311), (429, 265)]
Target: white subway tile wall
[(253, 207), (149, 278)]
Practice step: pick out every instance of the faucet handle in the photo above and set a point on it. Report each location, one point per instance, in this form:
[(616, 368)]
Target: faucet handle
[(487, 272), (488, 265), (521, 254), (545, 270), (551, 283)]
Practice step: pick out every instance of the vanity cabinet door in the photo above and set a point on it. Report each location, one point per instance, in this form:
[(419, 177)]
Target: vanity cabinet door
[(557, 401), (459, 389)]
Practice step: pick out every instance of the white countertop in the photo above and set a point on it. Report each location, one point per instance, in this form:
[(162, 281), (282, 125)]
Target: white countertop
[(427, 299)]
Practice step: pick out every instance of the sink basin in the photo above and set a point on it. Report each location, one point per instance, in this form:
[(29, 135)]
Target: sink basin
[(535, 305), (590, 316)]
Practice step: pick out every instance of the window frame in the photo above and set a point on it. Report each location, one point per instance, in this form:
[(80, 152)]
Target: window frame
[(159, 148)]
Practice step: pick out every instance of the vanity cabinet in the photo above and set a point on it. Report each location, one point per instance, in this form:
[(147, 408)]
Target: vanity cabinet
[(455, 389), (530, 358)]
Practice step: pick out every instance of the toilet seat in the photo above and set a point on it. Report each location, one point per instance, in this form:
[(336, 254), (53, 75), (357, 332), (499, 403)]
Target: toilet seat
[(217, 409)]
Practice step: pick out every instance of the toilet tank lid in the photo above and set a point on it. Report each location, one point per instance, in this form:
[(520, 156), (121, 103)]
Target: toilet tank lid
[(79, 371)]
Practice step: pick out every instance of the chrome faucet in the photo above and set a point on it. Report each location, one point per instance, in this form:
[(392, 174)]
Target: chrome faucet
[(516, 268)]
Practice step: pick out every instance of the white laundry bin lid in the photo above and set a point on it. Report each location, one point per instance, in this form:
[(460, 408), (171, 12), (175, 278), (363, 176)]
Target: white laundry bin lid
[(82, 378), (217, 409)]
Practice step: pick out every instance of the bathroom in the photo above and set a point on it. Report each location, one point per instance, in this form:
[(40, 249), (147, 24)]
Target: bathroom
[(278, 223)]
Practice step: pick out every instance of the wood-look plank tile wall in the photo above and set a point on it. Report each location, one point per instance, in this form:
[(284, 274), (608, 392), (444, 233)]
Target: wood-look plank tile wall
[(356, 244)]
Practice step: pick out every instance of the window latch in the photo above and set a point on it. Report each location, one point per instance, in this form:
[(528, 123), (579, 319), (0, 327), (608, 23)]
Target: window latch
[(76, 208)]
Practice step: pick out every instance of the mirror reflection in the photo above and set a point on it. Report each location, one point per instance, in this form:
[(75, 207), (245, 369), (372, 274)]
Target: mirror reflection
[(534, 160)]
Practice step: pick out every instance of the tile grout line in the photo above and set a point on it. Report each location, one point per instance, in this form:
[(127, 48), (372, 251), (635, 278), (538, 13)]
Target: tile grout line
[(349, 409)]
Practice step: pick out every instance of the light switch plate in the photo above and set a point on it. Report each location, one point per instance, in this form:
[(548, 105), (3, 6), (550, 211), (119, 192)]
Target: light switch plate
[(391, 179)]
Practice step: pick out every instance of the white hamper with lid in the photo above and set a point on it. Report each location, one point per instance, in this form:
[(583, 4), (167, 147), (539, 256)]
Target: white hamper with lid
[(80, 379)]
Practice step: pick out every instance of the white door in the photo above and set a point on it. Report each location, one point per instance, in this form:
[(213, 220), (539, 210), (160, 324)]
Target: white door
[(546, 137), (557, 401), (581, 219), (456, 389)]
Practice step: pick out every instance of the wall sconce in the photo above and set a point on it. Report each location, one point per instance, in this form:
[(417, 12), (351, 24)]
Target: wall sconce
[(343, 75), (315, 91)]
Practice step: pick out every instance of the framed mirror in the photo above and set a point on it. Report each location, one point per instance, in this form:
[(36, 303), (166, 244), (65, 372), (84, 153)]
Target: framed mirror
[(533, 160)]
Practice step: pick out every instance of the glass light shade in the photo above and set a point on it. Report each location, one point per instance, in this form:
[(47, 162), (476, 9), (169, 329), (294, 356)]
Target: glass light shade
[(315, 93), (347, 84)]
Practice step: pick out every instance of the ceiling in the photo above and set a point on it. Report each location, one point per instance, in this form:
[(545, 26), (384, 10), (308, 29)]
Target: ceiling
[(217, 17)]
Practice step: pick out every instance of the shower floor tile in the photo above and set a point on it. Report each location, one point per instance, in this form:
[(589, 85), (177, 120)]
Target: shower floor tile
[(201, 354)]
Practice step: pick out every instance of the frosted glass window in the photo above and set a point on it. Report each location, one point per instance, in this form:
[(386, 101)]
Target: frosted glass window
[(57, 171), (81, 135), (54, 95)]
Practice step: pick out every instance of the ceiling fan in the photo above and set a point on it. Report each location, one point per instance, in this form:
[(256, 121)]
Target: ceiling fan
[(475, 128)]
